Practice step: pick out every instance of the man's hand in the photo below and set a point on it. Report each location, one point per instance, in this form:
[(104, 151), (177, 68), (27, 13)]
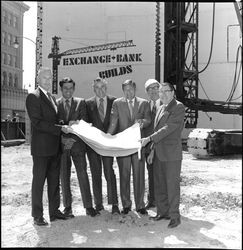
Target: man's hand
[(73, 122), (144, 141), (66, 129), (150, 157), (140, 122)]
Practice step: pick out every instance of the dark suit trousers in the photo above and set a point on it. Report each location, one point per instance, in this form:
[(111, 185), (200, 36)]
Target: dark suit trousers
[(45, 168), (124, 164), (96, 161), (167, 187), (80, 164), (150, 169)]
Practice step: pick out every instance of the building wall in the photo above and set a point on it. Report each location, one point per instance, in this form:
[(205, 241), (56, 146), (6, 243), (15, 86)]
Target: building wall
[(81, 24), (12, 94)]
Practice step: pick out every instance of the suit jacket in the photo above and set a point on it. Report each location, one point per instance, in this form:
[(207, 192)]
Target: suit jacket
[(77, 111), (167, 132), (45, 136), (93, 113), (120, 114)]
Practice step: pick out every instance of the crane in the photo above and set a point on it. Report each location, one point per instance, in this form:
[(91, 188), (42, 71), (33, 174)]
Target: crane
[(181, 69)]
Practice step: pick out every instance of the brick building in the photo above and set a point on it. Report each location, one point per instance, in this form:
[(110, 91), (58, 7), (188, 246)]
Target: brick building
[(12, 93)]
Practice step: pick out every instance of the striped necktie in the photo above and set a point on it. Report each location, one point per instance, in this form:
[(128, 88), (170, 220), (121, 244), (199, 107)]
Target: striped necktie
[(101, 109), (130, 108), (154, 109), (67, 109)]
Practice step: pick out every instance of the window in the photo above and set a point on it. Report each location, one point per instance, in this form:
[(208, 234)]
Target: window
[(4, 58), (10, 80), (8, 19), (9, 40), (10, 63), (15, 80), (11, 19), (15, 23), (4, 78), (14, 61), (15, 64), (4, 17), (4, 37), (9, 59)]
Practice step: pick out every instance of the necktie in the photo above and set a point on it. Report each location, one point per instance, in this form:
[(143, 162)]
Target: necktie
[(101, 109), (154, 110), (67, 108), (130, 108)]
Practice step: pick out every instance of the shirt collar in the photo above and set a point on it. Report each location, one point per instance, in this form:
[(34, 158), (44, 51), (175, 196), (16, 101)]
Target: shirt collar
[(98, 99), (70, 99), (133, 100)]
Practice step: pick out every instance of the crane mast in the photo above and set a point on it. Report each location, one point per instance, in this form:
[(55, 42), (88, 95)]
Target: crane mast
[(181, 57)]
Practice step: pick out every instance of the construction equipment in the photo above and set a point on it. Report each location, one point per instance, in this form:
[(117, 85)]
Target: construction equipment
[(181, 69)]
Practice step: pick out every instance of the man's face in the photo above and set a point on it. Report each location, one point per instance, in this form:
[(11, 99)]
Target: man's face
[(129, 92), (67, 90), (45, 80), (166, 94), (153, 91), (100, 89)]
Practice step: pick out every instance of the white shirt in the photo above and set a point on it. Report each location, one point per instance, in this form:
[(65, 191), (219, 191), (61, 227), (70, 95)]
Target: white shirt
[(133, 100), (64, 101)]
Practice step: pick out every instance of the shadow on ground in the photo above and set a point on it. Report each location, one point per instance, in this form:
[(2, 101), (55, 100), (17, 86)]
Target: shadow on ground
[(109, 230)]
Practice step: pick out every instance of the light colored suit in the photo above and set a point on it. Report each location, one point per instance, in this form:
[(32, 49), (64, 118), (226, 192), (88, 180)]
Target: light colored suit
[(169, 122), (121, 120)]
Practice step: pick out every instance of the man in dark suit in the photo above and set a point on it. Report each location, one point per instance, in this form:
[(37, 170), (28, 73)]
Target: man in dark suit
[(99, 109), (152, 90), (125, 112), (71, 110), (167, 152), (45, 147)]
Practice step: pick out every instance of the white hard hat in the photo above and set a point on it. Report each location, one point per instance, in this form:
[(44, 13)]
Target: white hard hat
[(150, 82)]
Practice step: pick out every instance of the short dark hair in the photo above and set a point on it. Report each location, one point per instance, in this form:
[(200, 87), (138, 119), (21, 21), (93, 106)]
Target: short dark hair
[(128, 82), (171, 86), (66, 79)]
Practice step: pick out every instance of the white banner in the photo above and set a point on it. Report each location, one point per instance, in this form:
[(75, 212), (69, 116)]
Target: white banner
[(121, 144)]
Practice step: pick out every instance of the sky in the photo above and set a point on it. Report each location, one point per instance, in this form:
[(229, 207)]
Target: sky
[(30, 31)]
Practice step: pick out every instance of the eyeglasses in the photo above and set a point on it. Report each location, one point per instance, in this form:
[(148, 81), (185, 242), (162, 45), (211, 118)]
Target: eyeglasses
[(165, 91), (153, 88)]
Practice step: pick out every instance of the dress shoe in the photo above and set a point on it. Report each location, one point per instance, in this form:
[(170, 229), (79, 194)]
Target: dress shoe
[(68, 212), (174, 223), (150, 205), (99, 207), (142, 211), (58, 215), (91, 211), (126, 210), (40, 221), (115, 209), (159, 217)]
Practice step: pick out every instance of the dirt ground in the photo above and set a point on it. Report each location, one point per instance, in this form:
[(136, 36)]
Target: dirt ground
[(211, 209)]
